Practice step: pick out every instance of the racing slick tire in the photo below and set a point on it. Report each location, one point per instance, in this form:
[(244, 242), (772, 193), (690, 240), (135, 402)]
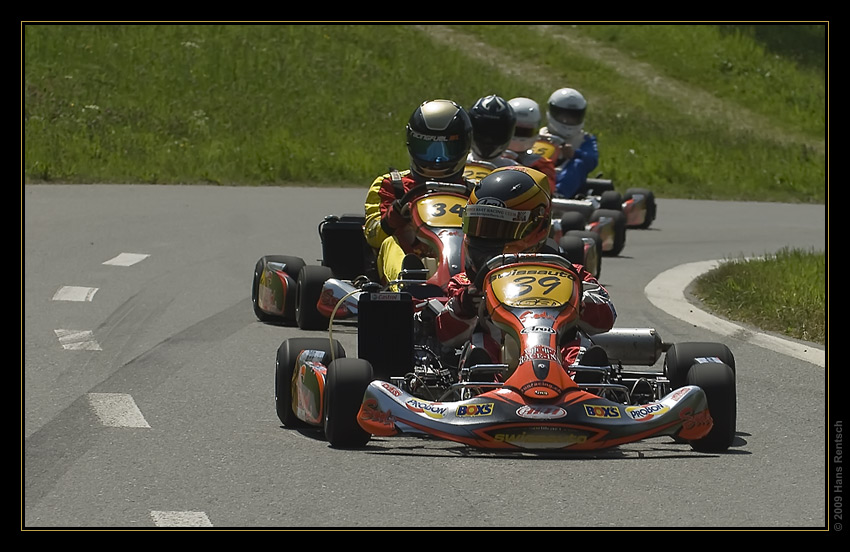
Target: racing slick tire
[(619, 228), (593, 259), (717, 380), (287, 355), (573, 248), (651, 208), (573, 220), (681, 356), (292, 266), (311, 280), (345, 383), (611, 199)]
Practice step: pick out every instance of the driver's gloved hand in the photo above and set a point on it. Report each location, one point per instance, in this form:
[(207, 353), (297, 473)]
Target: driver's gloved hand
[(398, 215), (469, 301)]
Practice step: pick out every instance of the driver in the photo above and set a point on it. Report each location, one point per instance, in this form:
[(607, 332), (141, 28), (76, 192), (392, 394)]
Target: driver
[(579, 153), (439, 136), (524, 192)]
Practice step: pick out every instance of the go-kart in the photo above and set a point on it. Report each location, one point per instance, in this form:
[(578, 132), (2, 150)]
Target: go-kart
[(528, 400), (287, 290)]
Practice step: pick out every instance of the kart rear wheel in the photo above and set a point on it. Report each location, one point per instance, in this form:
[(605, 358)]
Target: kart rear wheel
[(573, 248), (619, 218), (311, 280), (611, 199), (292, 266), (717, 380), (593, 259), (651, 208), (681, 356), (345, 383), (287, 355), (573, 220)]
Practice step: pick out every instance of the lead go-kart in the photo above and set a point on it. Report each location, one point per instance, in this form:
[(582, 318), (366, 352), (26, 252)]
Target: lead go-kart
[(403, 383)]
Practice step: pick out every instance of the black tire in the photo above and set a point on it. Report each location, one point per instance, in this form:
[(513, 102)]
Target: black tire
[(287, 354), (573, 220), (681, 356), (717, 380), (573, 248), (611, 199), (345, 383), (651, 209), (292, 266), (596, 270), (619, 228), (311, 280)]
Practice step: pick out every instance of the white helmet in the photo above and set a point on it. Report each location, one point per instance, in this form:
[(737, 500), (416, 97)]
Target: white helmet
[(527, 124), (566, 114)]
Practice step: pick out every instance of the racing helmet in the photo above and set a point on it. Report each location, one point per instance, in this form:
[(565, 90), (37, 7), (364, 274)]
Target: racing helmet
[(508, 211), (493, 121), (527, 123), (565, 115), (439, 135)]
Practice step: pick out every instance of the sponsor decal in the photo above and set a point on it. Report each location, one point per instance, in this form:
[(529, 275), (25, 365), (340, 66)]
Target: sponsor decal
[(385, 296), (525, 316), (493, 208), (646, 412), (537, 385), (433, 410), (691, 420), (601, 411), (542, 271), (679, 393), (541, 412), (708, 360), (369, 413), (538, 329), (538, 352), (541, 438), (466, 410), (393, 390), (431, 138)]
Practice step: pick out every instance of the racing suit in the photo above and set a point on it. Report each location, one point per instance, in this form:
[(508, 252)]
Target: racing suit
[(387, 228), (572, 173), (456, 323)]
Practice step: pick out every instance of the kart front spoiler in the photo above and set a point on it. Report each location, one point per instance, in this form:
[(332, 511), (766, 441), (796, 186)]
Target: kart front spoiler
[(502, 419)]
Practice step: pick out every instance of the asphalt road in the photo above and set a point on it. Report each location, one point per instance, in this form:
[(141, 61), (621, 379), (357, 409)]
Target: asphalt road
[(136, 302)]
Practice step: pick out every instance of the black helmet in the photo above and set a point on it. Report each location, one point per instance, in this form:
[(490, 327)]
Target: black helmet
[(493, 122), (439, 135), (508, 211)]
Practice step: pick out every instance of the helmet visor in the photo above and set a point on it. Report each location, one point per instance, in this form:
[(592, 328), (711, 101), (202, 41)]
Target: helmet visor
[(493, 222), (524, 132), (436, 151), (567, 116)]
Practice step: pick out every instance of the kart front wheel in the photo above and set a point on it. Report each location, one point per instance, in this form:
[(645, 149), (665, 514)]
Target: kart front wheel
[(717, 380), (649, 199), (287, 355), (291, 267), (345, 383), (311, 280), (593, 258), (618, 220)]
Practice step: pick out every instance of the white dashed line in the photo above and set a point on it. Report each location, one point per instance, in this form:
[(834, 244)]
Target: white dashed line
[(180, 519), (117, 410), (127, 259), (74, 293), (77, 340)]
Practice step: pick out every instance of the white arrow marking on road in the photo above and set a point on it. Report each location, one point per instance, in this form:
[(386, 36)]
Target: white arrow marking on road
[(117, 410), (74, 293), (127, 259)]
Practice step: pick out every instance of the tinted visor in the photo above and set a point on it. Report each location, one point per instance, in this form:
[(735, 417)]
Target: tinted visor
[(496, 223), (433, 151), (571, 117), (524, 132)]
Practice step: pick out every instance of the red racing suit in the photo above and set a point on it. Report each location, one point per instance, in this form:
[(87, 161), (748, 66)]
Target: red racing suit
[(456, 323)]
